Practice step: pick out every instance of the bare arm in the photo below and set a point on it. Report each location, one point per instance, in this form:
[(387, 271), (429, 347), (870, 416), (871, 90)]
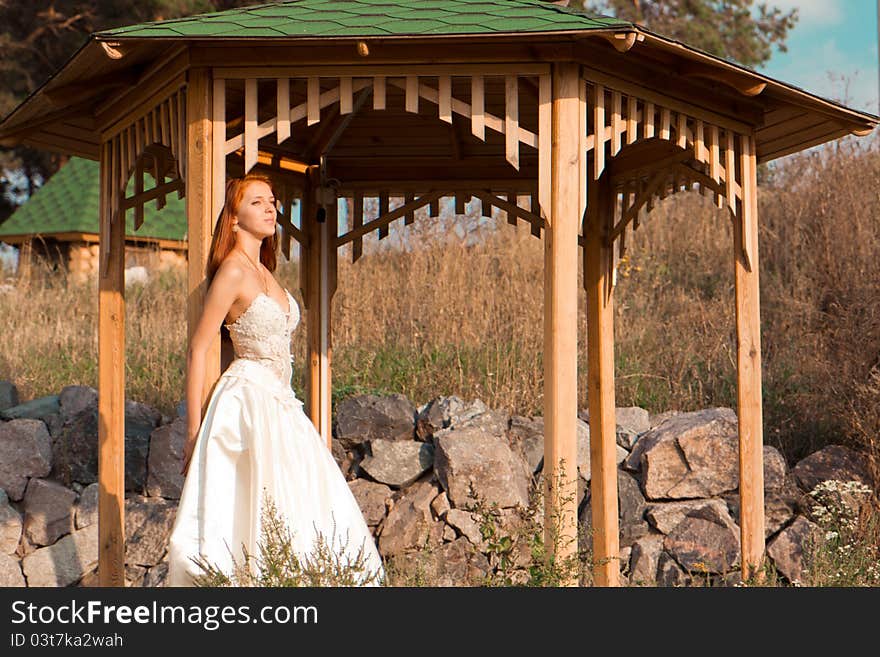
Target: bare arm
[(224, 289)]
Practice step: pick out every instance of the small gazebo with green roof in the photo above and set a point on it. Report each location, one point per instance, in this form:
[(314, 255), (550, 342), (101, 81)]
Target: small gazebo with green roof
[(592, 119), (59, 223)]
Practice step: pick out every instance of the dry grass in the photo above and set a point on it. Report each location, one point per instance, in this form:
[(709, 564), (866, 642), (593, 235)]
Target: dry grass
[(464, 316)]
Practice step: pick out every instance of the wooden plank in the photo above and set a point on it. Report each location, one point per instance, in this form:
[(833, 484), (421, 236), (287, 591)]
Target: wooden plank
[(599, 127), (199, 220), (383, 210), (616, 122), (460, 199), (357, 246), (648, 120), (251, 148), (313, 91), (412, 93), (478, 122), (379, 92), (699, 141), (410, 216), (384, 219), (111, 388), (748, 342), (411, 66), (345, 95), (282, 110), (730, 160), (560, 324), (582, 149), (714, 154), (665, 121), (681, 131), (511, 120), (632, 125), (444, 87), (218, 156), (545, 132)]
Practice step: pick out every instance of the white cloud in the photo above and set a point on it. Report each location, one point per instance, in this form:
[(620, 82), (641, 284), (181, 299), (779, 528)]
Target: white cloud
[(813, 13)]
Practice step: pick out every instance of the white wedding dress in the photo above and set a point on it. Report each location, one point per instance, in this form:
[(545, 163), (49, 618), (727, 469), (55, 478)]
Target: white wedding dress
[(255, 439)]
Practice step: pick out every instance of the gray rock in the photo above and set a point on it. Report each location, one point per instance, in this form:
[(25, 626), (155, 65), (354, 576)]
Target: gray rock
[(780, 506), (630, 506), (35, 409), (831, 462), (466, 524), (167, 442), (669, 573), (48, 511), (644, 560), (10, 525), (787, 549), (371, 417), (87, 507), (527, 436), (74, 399), (631, 422), (134, 575), (583, 450), (10, 572), (470, 456), (75, 449), (706, 541), (371, 497), (398, 463), (148, 522), (440, 504), (409, 521), (25, 451), (457, 563), (694, 455), (156, 575), (665, 516), (65, 562), (8, 395), (443, 412), (495, 422)]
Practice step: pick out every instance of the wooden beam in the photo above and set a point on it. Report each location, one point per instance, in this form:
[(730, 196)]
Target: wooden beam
[(748, 369), (560, 323), (111, 389), (598, 274)]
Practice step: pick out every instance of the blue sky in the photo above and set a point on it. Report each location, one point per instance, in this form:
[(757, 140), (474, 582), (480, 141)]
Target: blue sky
[(836, 36)]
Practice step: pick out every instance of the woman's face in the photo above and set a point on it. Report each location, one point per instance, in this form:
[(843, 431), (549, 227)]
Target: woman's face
[(256, 212)]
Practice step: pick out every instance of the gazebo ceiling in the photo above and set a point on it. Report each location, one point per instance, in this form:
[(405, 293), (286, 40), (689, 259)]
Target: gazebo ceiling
[(65, 114)]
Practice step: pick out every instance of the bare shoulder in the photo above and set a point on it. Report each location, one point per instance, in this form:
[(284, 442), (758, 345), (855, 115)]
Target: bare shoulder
[(229, 277)]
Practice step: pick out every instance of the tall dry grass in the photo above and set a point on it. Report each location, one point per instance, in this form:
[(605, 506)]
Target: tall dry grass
[(462, 313)]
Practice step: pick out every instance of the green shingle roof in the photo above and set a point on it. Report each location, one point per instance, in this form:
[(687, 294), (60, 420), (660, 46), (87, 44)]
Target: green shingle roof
[(68, 202), (362, 18)]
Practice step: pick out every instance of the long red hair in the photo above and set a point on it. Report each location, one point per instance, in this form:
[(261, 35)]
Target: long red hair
[(224, 239)]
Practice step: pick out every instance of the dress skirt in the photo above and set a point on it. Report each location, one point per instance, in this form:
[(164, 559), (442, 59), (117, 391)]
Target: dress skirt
[(256, 440)]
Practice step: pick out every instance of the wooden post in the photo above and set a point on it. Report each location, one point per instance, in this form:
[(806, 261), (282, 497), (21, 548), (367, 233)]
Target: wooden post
[(320, 284), (111, 387), (199, 219), (748, 368), (560, 322), (598, 271)]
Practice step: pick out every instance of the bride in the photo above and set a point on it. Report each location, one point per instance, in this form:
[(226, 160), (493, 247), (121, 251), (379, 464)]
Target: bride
[(255, 446)]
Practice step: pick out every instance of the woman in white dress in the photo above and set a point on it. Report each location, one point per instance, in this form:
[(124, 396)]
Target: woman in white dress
[(255, 443)]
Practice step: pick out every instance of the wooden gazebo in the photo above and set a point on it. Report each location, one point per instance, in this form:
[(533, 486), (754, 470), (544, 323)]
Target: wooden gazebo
[(590, 118)]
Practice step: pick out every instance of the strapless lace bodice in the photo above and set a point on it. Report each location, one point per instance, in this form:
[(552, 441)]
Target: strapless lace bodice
[(262, 334)]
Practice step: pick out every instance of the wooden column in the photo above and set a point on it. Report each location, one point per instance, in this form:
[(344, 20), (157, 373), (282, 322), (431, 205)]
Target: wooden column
[(598, 272), (560, 321), (748, 367), (199, 213), (319, 267), (111, 387)]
